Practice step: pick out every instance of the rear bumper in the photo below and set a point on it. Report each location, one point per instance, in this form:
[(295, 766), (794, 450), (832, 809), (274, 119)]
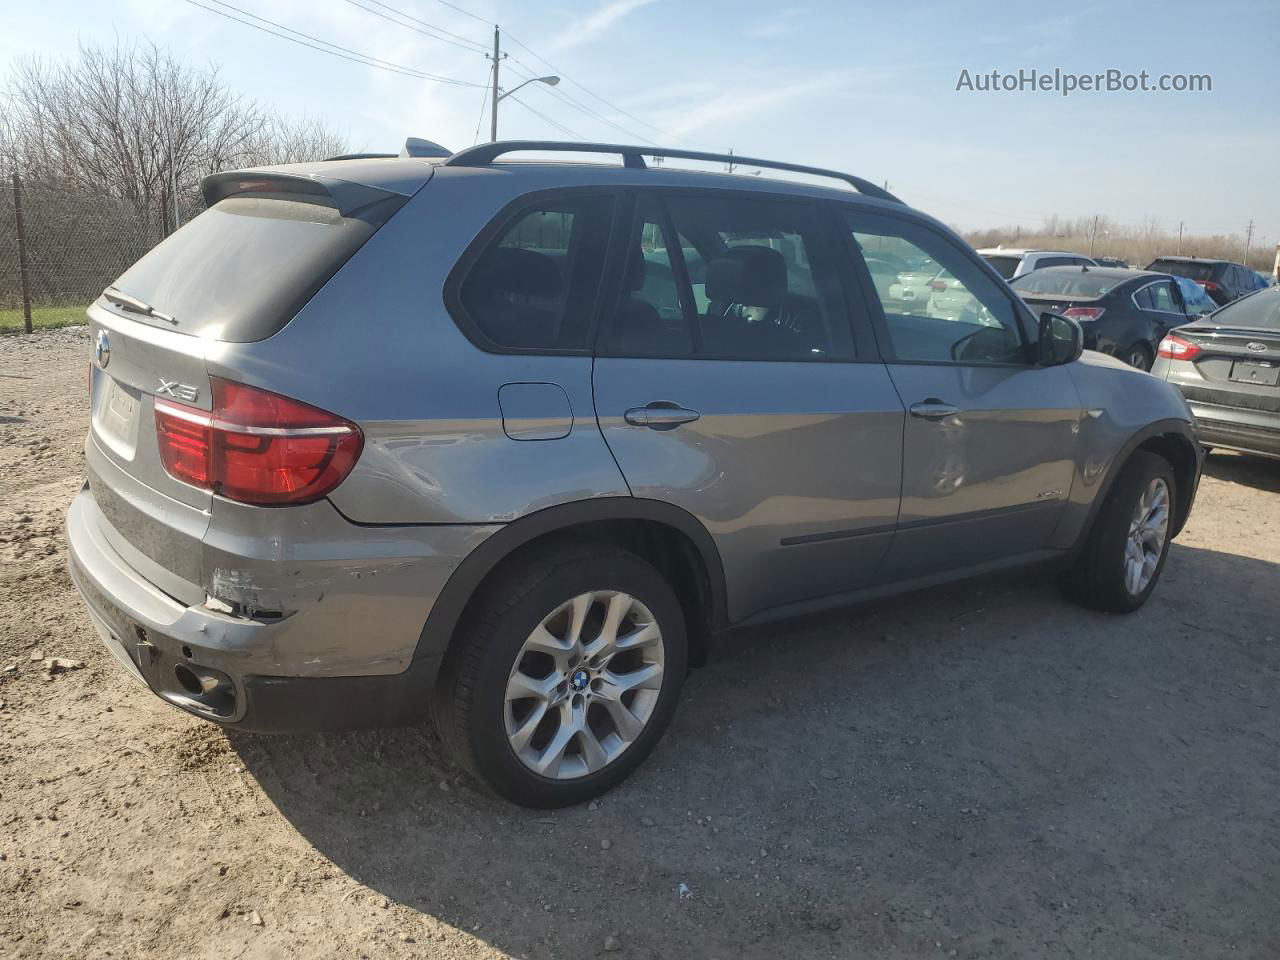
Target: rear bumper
[(1250, 431), (307, 671)]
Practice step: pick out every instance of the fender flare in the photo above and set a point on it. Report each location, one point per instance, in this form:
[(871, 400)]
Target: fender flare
[(1172, 427), (449, 606)]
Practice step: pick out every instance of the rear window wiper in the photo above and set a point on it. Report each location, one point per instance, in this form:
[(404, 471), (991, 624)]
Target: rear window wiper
[(134, 305)]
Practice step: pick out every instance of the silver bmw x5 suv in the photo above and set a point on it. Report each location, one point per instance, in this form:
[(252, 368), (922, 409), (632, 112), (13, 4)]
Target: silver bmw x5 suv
[(505, 443)]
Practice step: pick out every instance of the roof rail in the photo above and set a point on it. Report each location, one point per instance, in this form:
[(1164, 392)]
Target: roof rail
[(633, 157), (361, 156)]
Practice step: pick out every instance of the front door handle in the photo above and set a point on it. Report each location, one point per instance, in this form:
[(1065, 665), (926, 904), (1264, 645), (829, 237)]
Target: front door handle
[(660, 415), (933, 409)]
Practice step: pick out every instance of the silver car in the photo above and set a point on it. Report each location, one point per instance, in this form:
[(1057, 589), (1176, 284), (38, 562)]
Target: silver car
[(1227, 365), (505, 443)]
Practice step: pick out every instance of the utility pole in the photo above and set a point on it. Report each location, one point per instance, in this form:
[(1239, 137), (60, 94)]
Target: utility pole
[(24, 273), (497, 57), (731, 160), (1093, 234), (1180, 226), (1248, 240)]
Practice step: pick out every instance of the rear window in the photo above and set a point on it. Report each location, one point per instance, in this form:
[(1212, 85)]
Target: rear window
[(1064, 283), (1262, 310), (242, 269), (1200, 272), (1005, 266)]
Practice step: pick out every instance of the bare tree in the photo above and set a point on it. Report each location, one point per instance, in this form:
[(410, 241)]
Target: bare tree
[(130, 121)]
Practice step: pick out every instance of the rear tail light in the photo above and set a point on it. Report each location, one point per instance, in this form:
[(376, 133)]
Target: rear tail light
[(255, 446), (1084, 314), (1176, 348), (1209, 286), (937, 284)]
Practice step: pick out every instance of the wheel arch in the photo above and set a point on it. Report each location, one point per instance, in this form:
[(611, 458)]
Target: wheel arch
[(670, 538), (1175, 442)]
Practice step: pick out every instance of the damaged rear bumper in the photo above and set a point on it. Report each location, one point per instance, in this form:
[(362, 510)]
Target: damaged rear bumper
[(302, 635)]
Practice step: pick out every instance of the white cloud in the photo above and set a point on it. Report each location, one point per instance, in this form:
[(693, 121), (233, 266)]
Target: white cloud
[(597, 23)]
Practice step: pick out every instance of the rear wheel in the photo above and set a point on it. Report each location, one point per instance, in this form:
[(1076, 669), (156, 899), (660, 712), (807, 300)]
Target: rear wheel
[(1126, 550), (567, 676), (1140, 357)]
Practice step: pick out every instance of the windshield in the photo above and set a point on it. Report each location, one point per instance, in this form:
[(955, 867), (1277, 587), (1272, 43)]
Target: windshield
[(1262, 311), (1064, 282), (1005, 266), (1201, 272), (244, 267)]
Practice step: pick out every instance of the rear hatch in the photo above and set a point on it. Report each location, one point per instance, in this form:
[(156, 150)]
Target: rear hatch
[(238, 272)]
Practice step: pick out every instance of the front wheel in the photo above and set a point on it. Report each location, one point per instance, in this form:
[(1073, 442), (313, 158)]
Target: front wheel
[(566, 676), (1126, 550)]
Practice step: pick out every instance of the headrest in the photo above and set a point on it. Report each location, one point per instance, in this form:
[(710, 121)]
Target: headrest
[(633, 279), (519, 271), (751, 275)]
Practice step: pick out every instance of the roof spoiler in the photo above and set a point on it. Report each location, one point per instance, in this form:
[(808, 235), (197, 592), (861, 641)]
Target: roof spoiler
[(343, 195)]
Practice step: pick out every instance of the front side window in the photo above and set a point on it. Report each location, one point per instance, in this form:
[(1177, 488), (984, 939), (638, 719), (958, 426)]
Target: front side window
[(939, 306), (730, 278), (535, 284)]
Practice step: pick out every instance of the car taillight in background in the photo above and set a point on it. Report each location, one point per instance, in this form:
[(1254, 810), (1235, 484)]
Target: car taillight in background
[(256, 446), (1084, 314), (1209, 286), (937, 284), (1175, 348)]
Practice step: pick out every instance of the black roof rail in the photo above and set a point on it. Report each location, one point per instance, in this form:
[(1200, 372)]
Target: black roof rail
[(361, 156), (633, 157)]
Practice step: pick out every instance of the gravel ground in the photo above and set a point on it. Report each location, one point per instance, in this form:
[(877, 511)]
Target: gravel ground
[(991, 773)]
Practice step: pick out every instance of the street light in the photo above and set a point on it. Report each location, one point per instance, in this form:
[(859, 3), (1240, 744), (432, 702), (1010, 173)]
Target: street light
[(499, 97)]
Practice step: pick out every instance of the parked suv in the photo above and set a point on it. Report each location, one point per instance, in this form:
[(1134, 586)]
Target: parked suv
[(1011, 264), (508, 442), (1223, 280)]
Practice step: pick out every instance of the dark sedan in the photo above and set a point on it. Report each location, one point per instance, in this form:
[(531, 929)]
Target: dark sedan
[(1125, 313), (1227, 365)]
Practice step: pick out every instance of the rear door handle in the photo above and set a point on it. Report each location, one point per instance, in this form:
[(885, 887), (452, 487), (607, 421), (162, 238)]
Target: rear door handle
[(660, 415), (933, 409)]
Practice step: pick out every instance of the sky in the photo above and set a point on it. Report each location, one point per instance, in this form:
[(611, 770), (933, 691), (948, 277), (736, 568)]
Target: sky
[(866, 88)]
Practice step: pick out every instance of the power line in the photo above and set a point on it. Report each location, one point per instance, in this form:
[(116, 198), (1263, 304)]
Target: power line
[(593, 94), (346, 54), (559, 126), (431, 29), (468, 13), (527, 71), (484, 102)]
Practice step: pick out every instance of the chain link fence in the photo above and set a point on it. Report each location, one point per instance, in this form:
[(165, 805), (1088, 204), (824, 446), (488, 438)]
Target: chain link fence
[(60, 247)]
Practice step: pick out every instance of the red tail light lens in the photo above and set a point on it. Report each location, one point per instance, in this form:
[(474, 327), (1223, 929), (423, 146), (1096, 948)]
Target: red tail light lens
[(1176, 348), (937, 284), (256, 446), (1084, 314), (1209, 285)]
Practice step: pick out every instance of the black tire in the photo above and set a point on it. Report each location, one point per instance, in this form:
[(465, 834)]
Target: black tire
[(1140, 357), (1097, 578), (469, 703)]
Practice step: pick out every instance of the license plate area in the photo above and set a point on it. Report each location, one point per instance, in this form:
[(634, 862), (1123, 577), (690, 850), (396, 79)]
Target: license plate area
[(116, 417), (1262, 373)]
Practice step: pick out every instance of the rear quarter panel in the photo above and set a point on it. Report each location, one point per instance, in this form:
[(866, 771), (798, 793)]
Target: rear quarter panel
[(377, 346)]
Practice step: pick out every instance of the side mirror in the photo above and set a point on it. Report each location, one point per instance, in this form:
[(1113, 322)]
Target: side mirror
[(1061, 340)]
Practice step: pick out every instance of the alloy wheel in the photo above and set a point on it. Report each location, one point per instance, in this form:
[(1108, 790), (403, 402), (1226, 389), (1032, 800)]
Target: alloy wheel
[(584, 685), (1148, 529)]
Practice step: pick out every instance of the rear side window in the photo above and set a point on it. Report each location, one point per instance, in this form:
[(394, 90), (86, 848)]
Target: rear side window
[(1005, 266), (534, 286), (1182, 268), (1157, 296), (242, 269)]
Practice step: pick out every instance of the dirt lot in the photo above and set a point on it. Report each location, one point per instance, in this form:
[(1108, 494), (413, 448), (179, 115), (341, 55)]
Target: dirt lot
[(992, 773)]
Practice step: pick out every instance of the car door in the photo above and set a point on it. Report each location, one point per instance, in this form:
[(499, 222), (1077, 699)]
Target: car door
[(730, 382), (990, 438), (1161, 303)]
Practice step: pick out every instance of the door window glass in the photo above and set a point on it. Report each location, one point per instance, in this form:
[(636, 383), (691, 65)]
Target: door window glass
[(939, 306)]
